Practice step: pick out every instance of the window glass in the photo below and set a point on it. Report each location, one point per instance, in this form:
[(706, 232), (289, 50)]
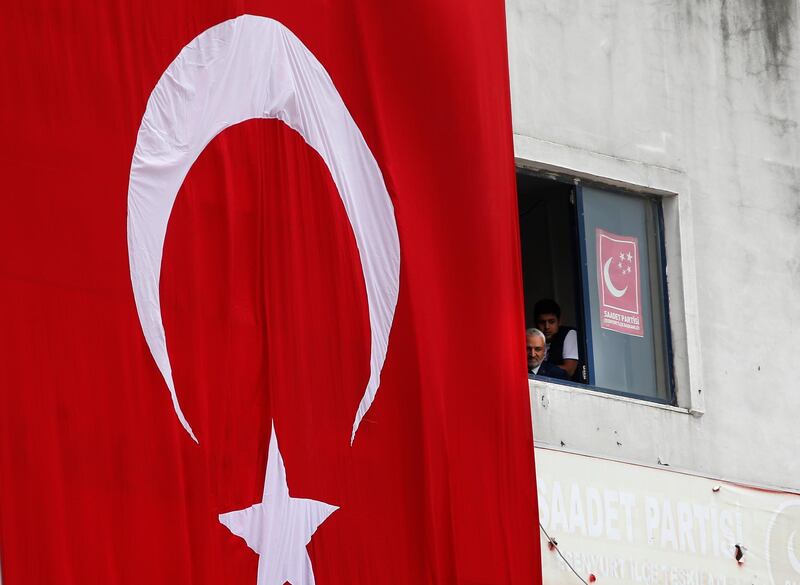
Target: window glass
[(625, 293)]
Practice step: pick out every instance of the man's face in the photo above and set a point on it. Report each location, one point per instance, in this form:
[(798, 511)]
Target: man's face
[(535, 351), (548, 324)]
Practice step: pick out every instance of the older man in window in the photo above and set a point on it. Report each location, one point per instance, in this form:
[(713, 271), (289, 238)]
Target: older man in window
[(536, 365)]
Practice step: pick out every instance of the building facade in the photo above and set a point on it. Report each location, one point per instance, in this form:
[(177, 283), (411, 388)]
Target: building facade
[(694, 106)]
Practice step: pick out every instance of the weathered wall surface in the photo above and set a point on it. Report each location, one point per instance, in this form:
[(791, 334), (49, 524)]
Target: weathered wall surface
[(699, 97)]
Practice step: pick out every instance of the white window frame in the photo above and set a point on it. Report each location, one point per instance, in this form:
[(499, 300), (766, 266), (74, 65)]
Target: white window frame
[(673, 189)]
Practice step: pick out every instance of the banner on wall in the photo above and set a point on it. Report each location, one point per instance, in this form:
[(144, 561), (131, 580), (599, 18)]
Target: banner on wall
[(619, 284), (234, 270), (627, 524)]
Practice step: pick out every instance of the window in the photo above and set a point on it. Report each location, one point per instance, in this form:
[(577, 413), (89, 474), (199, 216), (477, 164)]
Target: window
[(598, 252)]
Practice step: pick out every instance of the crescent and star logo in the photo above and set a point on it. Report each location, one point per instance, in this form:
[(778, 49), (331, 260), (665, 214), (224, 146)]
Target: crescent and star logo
[(247, 68), (618, 283)]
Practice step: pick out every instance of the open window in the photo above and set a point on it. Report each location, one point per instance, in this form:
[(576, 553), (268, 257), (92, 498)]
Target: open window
[(599, 253)]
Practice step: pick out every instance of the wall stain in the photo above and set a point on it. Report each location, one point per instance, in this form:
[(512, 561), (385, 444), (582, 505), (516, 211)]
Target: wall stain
[(768, 24), (724, 24), (778, 17), (795, 195), (782, 125)]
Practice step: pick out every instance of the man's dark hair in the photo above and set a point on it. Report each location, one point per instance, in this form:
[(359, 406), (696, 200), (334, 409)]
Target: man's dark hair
[(546, 307)]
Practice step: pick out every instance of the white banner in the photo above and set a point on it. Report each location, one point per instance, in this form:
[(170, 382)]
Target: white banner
[(623, 524)]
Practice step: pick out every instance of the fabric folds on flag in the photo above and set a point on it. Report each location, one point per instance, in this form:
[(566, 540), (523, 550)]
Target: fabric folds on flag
[(325, 293)]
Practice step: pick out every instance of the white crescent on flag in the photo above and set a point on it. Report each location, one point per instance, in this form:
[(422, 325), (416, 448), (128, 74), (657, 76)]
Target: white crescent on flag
[(610, 285), (245, 68)]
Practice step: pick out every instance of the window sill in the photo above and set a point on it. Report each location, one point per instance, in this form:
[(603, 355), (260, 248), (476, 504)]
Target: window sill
[(563, 388)]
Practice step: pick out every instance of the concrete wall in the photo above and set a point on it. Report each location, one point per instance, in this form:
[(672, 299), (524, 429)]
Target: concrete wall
[(697, 100)]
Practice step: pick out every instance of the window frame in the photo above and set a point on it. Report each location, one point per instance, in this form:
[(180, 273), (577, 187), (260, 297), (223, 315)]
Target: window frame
[(671, 399), (582, 272)]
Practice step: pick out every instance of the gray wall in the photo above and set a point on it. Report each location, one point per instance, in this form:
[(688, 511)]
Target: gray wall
[(698, 100)]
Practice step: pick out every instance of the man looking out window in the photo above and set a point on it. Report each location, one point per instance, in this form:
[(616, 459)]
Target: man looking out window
[(536, 364), (562, 341)]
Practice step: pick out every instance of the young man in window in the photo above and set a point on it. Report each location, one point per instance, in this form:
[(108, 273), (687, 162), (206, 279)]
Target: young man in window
[(562, 341)]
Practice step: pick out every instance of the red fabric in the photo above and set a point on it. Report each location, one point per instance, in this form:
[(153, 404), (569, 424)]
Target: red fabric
[(264, 308)]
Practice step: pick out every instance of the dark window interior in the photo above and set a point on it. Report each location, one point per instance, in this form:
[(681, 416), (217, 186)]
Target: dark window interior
[(549, 250)]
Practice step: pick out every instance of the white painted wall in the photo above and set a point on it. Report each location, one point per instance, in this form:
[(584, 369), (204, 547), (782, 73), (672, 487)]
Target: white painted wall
[(700, 98)]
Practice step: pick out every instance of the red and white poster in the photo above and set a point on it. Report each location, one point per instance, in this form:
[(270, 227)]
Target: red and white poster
[(235, 284), (619, 283)]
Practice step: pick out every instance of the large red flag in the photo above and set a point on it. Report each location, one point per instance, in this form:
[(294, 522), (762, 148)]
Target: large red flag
[(262, 316)]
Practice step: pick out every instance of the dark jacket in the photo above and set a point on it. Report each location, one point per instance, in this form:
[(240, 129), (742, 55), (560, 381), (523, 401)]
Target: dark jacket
[(555, 355), (551, 371)]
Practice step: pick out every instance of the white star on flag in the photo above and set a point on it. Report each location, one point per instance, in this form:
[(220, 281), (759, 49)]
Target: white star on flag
[(280, 527)]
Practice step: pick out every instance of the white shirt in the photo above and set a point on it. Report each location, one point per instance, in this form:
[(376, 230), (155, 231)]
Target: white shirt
[(570, 349)]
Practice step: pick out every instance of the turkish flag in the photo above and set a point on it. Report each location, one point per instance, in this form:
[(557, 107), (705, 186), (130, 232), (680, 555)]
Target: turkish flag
[(273, 284)]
